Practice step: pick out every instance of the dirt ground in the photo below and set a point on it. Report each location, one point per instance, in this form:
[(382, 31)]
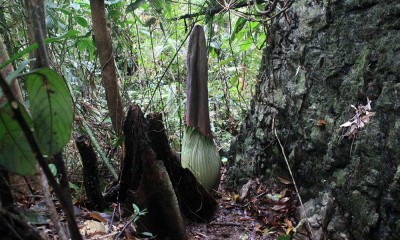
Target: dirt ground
[(260, 210)]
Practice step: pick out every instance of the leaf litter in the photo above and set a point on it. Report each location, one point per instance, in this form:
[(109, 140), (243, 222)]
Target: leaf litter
[(357, 122), (259, 210)]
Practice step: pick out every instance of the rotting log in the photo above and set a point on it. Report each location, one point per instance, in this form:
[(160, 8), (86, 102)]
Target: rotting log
[(145, 177), (90, 173), (134, 130)]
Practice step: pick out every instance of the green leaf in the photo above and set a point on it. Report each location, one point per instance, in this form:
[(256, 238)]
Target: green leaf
[(51, 109), (284, 237), (73, 186), (238, 27), (223, 62), (81, 21), (20, 68), (246, 44), (86, 43), (261, 40), (15, 153), (135, 208), (274, 197), (147, 234), (234, 81), (53, 169)]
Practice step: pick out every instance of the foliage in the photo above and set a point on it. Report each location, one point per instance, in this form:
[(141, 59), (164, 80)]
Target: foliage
[(136, 215), (51, 109), (150, 51), (15, 152), (51, 121)]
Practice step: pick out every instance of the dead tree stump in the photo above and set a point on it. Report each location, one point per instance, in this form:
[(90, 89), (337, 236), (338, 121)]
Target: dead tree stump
[(152, 169)]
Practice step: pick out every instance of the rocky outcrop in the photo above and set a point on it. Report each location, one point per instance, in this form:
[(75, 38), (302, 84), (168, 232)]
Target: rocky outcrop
[(324, 56)]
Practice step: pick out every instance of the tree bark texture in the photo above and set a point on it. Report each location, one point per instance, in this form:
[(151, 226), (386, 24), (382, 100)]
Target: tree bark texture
[(108, 68), (90, 173), (7, 70), (147, 181), (196, 202), (152, 171), (322, 57)]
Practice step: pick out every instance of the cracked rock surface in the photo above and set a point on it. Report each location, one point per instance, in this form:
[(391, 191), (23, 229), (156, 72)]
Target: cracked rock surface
[(322, 57)]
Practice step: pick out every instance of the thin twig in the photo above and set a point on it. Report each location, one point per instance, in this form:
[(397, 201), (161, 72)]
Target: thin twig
[(291, 175), (50, 206)]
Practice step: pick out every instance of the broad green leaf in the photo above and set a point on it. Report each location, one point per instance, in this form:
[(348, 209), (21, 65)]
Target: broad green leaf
[(234, 81), (81, 21), (238, 27), (261, 40), (86, 43), (246, 44), (223, 62), (253, 25), (15, 153), (51, 109)]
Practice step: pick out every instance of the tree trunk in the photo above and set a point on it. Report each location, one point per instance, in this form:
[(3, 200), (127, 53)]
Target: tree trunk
[(7, 70), (91, 179), (322, 57), (108, 68)]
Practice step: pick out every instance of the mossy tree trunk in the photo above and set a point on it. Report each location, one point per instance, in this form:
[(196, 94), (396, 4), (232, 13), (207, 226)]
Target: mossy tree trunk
[(322, 57)]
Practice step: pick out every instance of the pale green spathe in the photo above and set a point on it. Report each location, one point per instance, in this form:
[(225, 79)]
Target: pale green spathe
[(201, 157)]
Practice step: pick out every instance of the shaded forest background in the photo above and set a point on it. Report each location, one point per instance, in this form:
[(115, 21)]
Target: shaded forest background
[(282, 78)]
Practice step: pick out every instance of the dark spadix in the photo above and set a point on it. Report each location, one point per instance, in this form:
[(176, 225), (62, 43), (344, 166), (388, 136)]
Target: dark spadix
[(199, 153)]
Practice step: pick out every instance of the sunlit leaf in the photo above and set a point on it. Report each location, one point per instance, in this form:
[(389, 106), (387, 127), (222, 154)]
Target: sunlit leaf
[(51, 109), (246, 44), (261, 40), (81, 21), (240, 23)]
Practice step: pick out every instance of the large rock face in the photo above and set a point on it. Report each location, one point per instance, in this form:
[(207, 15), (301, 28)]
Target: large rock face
[(324, 56)]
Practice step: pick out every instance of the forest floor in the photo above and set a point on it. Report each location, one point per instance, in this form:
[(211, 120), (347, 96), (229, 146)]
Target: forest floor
[(260, 210)]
